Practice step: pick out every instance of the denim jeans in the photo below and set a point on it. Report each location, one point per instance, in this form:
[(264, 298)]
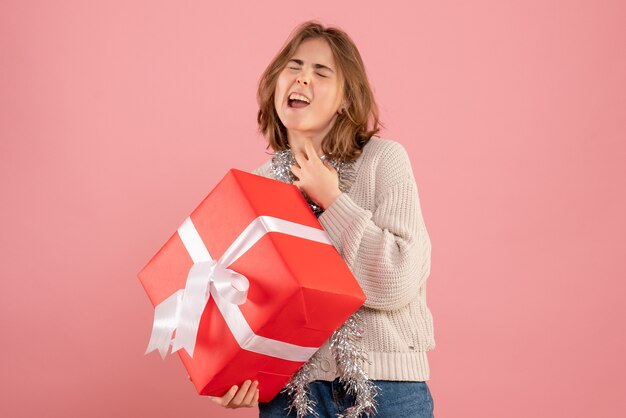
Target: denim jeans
[(394, 400)]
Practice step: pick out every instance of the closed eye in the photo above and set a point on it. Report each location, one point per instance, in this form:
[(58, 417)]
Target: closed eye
[(294, 68)]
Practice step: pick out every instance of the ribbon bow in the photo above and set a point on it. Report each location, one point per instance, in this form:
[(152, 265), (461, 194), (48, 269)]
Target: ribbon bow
[(207, 277)]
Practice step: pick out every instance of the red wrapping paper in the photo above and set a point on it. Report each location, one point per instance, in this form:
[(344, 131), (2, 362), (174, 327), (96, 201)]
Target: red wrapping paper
[(300, 290)]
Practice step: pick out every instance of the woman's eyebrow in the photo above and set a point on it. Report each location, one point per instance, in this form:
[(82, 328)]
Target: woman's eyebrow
[(300, 62)]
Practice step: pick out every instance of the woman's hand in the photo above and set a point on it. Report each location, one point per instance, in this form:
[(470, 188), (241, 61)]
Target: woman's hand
[(319, 180), (246, 397)]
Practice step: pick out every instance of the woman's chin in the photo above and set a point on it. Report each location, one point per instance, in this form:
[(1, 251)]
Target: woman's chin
[(294, 126), (297, 132)]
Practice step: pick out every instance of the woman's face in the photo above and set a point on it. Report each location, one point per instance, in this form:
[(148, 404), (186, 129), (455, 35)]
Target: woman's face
[(311, 72)]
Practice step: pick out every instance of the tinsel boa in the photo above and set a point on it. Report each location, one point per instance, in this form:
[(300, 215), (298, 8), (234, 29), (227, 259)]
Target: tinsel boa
[(281, 170), (345, 342)]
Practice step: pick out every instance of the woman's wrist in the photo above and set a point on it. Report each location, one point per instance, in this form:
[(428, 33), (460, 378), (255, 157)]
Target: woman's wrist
[(326, 202)]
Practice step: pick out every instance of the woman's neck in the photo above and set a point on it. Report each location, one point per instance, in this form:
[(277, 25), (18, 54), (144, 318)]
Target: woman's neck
[(296, 142)]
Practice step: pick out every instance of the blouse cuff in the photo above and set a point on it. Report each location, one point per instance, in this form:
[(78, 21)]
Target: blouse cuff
[(340, 215)]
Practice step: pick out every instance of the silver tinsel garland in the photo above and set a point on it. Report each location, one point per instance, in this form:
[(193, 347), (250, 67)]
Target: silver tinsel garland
[(345, 342), (297, 390), (281, 170)]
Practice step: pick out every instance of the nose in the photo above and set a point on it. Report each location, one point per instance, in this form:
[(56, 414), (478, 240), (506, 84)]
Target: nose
[(302, 79)]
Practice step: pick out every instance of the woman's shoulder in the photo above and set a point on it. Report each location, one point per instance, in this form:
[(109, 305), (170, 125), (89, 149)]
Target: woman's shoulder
[(385, 151), (263, 169), (387, 159)]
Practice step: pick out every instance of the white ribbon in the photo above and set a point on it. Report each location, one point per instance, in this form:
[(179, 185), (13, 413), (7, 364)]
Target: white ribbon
[(182, 310)]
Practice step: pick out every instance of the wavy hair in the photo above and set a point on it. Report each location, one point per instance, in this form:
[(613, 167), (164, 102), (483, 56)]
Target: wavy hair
[(351, 130)]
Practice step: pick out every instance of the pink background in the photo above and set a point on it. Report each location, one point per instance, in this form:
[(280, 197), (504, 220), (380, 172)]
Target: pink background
[(116, 118)]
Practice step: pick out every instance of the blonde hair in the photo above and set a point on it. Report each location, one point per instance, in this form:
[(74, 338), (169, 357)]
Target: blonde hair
[(350, 131)]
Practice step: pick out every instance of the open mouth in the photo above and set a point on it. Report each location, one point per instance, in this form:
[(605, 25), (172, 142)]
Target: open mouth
[(296, 104)]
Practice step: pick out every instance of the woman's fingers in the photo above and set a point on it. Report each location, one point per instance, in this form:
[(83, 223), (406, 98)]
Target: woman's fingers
[(296, 170), (228, 396), (248, 400), (255, 399), (240, 395), (300, 158), (247, 396), (310, 149)]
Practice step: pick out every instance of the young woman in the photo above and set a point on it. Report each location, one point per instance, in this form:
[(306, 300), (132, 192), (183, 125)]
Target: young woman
[(316, 106)]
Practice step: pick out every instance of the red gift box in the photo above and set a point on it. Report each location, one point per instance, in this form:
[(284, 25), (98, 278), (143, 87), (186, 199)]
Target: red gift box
[(252, 285)]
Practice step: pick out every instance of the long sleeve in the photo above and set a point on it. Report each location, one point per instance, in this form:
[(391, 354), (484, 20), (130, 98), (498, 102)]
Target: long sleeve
[(388, 250)]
